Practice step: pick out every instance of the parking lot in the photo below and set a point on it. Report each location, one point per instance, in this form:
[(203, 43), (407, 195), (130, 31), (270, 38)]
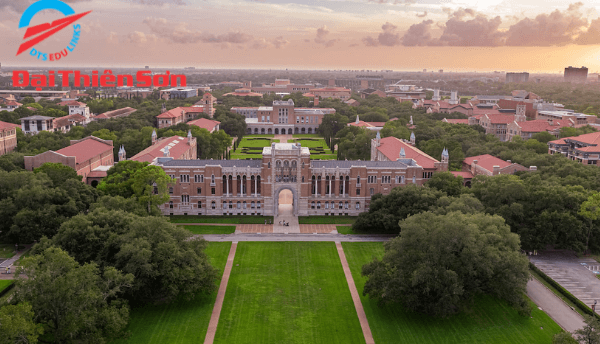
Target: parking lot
[(574, 274)]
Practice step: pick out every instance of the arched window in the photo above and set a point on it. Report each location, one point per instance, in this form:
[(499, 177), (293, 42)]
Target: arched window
[(332, 205), (357, 179), (171, 204), (213, 205), (357, 205), (303, 179), (170, 190), (319, 205), (244, 205), (230, 205), (224, 205), (312, 205), (199, 204), (224, 184), (340, 205), (252, 205), (346, 205), (258, 205)]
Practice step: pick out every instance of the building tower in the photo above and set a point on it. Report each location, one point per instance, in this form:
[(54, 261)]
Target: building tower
[(411, 121), (376, 142), (122, 154), (358, 120), (412, 139), (453, 98), (445, 155), (402, 153), (153, 136), (166, 151), (436, 95), (520, 113), (189, 136), (164, 108)]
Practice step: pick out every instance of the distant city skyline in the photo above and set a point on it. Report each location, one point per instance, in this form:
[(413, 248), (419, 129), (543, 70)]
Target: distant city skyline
[(457, 35)]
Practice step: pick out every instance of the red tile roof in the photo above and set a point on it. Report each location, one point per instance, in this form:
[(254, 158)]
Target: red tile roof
[(558, 142), (204, 123), (499, 119), (535, 126), (465, 175), (361, 124), (123, 112), (591, 139), (5, 125), (589, 149), (377, 124), (309, 95), (86, 149), (487, 161), (13, 103), (176, 112), (243, 94), (71, 103), (67, 120), (391, 146), (178, 146)]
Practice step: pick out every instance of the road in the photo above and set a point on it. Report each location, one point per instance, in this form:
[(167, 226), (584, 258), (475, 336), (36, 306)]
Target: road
[(559, 311)]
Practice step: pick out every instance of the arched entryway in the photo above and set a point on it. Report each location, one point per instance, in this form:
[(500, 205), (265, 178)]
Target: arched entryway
[(286, 203)]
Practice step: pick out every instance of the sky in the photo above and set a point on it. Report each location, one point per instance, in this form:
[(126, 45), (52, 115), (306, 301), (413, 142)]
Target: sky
[(454, 35)]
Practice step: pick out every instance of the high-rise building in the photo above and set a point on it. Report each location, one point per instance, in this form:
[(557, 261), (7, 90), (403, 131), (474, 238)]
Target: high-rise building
[(517, 77), (574, 74)]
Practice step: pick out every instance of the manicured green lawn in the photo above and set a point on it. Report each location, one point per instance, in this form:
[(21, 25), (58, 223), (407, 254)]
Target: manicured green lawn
[(261, 135), (306, 135), (233, 219), (323, 156), (4, 284), (326, 220), (181, 321), (348, 230), (288, 292), (489, 320), (210, 229)]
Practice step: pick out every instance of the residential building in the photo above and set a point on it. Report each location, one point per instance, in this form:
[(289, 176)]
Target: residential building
[(66, 123), (352, 102), (491, 166), (8, 137), (76, 107), (90, 157), (208, 124), (178, 115), (175, 147), (579, 119), (497, 125), (583, 148), (527, 129), (282, 117), (573, 74), (517, 77), (252, 187), (9, 105), (36, 124)]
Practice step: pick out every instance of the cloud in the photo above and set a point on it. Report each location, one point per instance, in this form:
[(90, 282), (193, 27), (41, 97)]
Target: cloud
[(556, 28), (592, 35), (418, 34), (179, 33), (389, 37), (478, 31), (422, 15), (263, 43), (279, 42), (138, 37), (321, 38), (20, 6), (112, 38)]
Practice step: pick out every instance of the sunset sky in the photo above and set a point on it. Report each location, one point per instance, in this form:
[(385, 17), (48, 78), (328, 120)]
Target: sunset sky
[(460, 35)]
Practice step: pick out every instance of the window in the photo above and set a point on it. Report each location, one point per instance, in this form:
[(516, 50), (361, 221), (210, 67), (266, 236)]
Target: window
[(372, 179), (258, 205), (262, 118), (212, 191), (269, 165), (252, 205), (303, 179), (319, 205), (239, 205), (326, 205), (185, 199), (312, 205), (297, 120), (172, 176), (198, 178), (268, 118), (212, 180), (341, 205), (199, 191), (346, 205), (184, 178), (357, 205), (199, 204), (357, 179), (332, 205), (357, 192), (230, 205), (372, 191), (224, 205), (245, 205), (170, 190), (171, 204), (386, 179)]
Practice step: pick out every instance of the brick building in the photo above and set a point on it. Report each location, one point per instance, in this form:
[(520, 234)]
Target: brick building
[(208, 124), (252, 187), (36, 124), (176, 147), (583, 148), (178, 115), (89, 156), (8, 137)]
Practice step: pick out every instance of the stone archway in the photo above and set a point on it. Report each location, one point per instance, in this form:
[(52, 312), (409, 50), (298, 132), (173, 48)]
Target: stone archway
[(282, 194)]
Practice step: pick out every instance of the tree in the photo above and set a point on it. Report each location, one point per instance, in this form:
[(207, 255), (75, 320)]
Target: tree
[(590, 209), (17, 325), (590, 333), (440, 262), (386, 211), (446, 182), (564, 338), (164, 259), (150, 186), (58, 172), (331, 124), (75, 303)]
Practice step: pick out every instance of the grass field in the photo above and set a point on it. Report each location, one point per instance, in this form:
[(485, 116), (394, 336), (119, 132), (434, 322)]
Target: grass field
[(181, 321), (4, 284), (233, 219), (210, 229), (259, 135), (306, 135), (348, 230), (288, 292), (326, 220), (489, 320)]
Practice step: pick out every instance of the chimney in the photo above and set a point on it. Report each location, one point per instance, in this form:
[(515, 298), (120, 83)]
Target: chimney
[(474, 168), (496, 170), (316, 102)]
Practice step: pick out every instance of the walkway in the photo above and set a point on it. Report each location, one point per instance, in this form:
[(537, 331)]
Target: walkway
[(283, 138), (362, 317), (262, 228), (295, 237), (10, 263), (556, 308), (214, 318)]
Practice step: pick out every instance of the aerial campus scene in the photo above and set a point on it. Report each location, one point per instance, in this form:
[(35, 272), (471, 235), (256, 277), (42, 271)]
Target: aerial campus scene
[(295, 171)]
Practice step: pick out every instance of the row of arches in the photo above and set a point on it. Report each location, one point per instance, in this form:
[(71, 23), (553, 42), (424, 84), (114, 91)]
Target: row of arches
[(343, 184), (242, 185), (332, 205), (282, 131)]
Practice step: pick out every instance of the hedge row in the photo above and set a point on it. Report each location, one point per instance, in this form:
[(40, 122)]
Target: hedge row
[(7, 289), (585, 308)]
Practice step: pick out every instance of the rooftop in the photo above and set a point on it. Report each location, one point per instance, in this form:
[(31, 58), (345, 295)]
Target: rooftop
[(204, 123), (36, 118), (222, 163), (177, 146), (403, 163), (391, 146), (487, 162), (86, 149), (5, 125)]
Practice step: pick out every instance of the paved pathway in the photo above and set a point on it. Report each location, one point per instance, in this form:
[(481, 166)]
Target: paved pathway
[(214, 318), (286, 213), (296, 237), (362, 317), (556, 308), (10, 263)]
